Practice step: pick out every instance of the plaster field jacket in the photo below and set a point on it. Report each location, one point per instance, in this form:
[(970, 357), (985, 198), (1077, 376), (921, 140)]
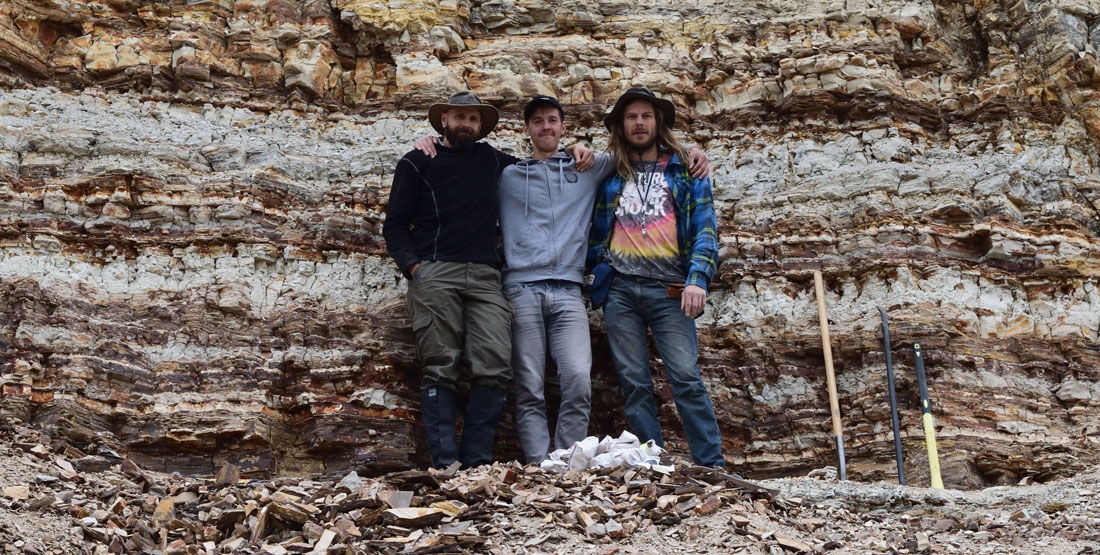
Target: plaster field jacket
[(445, 208), (696, 222), (545, 213)]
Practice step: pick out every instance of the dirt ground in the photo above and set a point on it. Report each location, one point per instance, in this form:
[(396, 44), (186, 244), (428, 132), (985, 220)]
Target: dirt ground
[(858, 518), (820, 515), (42, 530)]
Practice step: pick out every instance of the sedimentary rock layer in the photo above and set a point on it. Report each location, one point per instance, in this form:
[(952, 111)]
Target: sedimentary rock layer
[(191, 195)]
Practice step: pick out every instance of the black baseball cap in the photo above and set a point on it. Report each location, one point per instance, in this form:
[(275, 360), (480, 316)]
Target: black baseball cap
[(538, 100)]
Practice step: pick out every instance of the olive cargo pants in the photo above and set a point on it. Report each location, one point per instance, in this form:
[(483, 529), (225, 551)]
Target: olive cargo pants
[(459, 308)]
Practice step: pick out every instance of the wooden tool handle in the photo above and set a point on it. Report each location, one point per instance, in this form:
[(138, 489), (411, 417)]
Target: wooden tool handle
[(826, 345), (830, 377)]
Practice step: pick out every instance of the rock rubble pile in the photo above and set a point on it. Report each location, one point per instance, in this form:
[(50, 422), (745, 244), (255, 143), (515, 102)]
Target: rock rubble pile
[(117, 507), (69, 501)]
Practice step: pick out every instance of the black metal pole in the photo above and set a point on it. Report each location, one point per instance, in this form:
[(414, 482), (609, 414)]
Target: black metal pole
[(893, 395)]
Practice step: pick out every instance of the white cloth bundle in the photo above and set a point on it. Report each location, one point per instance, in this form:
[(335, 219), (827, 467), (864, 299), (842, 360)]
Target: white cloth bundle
[(610, 452)]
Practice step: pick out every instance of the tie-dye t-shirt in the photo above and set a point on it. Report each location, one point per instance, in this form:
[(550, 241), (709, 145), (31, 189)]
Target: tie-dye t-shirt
[(643, 237)]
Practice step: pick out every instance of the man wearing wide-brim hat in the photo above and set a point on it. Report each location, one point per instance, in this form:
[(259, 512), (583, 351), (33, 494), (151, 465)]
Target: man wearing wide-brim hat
[(441, 230), (438, 114), (654, 233)]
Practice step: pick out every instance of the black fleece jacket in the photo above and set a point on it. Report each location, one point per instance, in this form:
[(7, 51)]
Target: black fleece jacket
[(445, 208)]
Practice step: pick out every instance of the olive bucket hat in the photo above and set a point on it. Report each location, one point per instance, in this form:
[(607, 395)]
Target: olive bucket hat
[(464, 99), (616, 115)]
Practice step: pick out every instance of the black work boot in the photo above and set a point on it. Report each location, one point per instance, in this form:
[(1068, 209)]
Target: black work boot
[(437, 410), (479, 427)]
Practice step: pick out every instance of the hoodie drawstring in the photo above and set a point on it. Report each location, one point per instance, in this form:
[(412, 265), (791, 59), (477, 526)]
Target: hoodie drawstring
[(526, 165), (561, 176)]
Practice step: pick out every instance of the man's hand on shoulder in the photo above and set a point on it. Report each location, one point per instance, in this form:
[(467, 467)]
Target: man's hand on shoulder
[(692, 301), (700, 164), (427, 145), (583, 156)]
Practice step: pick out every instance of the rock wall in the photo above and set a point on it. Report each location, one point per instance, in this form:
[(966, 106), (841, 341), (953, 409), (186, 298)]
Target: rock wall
[(191, 197)]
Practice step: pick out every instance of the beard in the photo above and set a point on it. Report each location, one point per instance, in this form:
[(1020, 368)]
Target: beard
[(461, 138), (641, 146)]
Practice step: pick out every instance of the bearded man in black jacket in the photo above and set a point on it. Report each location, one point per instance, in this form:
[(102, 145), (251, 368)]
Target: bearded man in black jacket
[(441, 230)]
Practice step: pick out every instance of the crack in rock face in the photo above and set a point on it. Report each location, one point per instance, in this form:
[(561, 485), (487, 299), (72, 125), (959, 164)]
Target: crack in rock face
[(192, 270)]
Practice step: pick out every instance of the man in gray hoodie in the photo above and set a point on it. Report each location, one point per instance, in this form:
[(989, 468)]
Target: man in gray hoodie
[(545, 213)]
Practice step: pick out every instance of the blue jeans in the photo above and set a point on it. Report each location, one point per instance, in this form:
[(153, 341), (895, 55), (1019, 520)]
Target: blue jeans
[(634, 303), (550, 318)]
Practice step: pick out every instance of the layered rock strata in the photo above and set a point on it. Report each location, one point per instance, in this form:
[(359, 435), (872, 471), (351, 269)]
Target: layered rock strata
[(191, 194)]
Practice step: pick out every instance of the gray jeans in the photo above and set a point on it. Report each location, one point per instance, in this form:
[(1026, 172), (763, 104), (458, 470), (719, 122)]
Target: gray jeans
[(458, 308), (550, 317)]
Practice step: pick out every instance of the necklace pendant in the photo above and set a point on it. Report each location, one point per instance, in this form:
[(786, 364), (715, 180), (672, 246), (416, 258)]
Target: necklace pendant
[(644, 231)]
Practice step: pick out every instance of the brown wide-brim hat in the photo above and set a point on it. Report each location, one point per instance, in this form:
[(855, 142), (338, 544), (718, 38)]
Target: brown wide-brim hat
[(465, 99), (615, 117)]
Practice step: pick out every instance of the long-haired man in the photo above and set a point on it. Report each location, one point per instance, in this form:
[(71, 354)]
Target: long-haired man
[(655, 225)]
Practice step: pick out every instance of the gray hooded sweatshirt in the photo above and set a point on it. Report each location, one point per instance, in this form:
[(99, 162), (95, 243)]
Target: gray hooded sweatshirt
[(545, 214)]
